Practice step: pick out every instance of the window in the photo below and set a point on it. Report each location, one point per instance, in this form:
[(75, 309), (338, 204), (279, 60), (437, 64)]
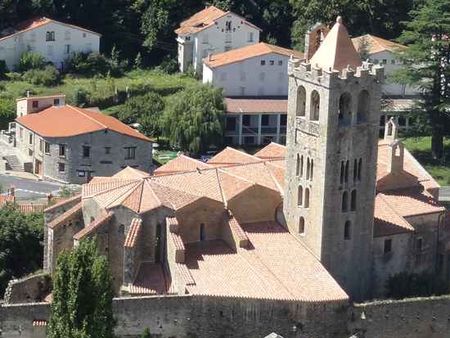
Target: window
[(348, 230), (62, 150), (272, 62), (35, 104), (107, 150), (283, 120), (393, 62), (41, 145), (301, 101), (346, 170), (359, 169), (353, 201), (228, 26), (308, 168), (311, 171), (387, 246), (246, 120), (315, 106), (307, 198), (363, 106), (230, 123), (299, 170), (300, 196), (301, 226), (344, 206), (61, 167), (67, 49), (47, 147), (130, 153), (84, 35), (402, 121), (30, 138), (50, 36), (250, 37), (86, 151), (202, 232), (384, 61), (280, 62), (342, 173), (56, 102), (355, 170), (263, 62), (419, 244), (344, 113), (265, 120)]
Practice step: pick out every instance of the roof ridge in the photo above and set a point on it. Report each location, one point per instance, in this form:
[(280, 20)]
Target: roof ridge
[(224, 171), (124, 195), (152, 192), (280, 188), (80, 111), (222, 192), (244, 153)]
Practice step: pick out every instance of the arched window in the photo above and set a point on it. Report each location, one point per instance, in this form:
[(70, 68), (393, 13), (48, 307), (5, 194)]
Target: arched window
[(345, 201), (315, 106), (301, 101), (348, 230), (311, 171), (301, 166), (297, 172), (300, 196), (202, 232), (301, 226), (308, 168), (363, 106), (355, 170), (359, 169), (353, 201), (347, 163), (342, 172), (345, 112), (307, 198)]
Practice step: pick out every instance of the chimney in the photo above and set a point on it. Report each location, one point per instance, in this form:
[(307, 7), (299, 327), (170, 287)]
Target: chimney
[(391, 130), (28, 93), (209, 57)]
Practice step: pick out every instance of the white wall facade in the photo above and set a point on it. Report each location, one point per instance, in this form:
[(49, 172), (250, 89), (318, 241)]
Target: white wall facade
[(68, 40), (215, 39), (258, 76), (391, 65)]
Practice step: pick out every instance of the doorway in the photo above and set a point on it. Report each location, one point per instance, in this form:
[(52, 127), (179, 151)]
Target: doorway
[(202, 232)]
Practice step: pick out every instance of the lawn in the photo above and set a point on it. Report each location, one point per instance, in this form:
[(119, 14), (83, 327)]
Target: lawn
[(102, 90), (420, 147)]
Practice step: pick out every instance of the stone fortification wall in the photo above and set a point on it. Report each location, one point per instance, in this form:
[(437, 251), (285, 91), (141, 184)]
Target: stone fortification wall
[(415, 318), (29, 289)]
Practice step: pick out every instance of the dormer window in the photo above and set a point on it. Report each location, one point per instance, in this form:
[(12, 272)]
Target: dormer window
[(50, 36)]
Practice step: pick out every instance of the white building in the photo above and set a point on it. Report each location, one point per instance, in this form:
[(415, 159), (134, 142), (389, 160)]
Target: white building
[(381, 51), (256, 70), (212, 31), (54, 40)]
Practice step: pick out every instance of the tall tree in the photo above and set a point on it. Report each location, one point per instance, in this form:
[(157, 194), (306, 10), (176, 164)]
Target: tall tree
[(427, 66), (194, 119), (82, 295)]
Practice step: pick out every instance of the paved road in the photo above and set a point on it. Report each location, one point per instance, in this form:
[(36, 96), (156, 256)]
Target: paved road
[(28, 189)]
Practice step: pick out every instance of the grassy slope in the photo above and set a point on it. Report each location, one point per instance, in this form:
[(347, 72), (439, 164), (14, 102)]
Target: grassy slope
[(420, 147)]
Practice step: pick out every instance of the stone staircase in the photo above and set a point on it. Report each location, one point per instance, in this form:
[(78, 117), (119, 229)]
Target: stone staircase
[(13, 163)]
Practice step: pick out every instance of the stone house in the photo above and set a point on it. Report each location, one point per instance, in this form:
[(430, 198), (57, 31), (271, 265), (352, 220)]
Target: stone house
[(55, 41), (78, 143), (212, 31), (256, 70)]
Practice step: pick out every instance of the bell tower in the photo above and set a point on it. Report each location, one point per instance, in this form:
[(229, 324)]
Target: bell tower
[(333, 113)]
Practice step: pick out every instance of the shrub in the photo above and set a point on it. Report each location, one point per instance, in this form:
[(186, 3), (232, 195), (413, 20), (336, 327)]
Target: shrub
[(14, 76), (29, 61), (168, 65), (80, 97), (93, 64), (3, 69), (49, 76), (7, 112), (403, 285)]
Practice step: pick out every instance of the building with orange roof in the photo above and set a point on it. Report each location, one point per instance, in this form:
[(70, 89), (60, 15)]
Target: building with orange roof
[(71, 144), (212, 30), (54, 40), (385, 52)]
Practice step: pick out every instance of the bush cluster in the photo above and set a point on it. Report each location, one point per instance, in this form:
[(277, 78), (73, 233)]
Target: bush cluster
[(48, 77), (94, 64)]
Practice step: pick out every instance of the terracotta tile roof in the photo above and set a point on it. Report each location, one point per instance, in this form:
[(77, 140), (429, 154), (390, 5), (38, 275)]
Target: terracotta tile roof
[(92, 227), (397, 105), (336, 51), (182, 163), (272, 151), (375, 44), (133, 233), (238, 233), (76, 198), (199, 21), (277, 267), (131, 173), (71, 121), (230, 156), (387, 221), (412, 202), (27, 25), (73, 212), (255, 105), (248, 52), (150, 280)]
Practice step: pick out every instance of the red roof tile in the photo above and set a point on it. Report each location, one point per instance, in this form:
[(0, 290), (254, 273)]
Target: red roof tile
[(273, 151), (71, 121), (133, 233), (387, 220), (255, 106), (375, 44), (199, 21), (93, 226), (73, 212)]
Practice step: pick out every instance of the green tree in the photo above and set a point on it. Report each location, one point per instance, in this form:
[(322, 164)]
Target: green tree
[(146, 110), (146, 333), (427, 66), (21, 237), (7, 112), (194, 119), (82, 295)]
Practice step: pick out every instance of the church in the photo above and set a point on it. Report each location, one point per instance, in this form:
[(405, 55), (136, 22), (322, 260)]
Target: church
[(327, 218)]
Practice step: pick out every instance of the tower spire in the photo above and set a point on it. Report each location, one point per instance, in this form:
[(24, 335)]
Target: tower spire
[(337, 51)]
